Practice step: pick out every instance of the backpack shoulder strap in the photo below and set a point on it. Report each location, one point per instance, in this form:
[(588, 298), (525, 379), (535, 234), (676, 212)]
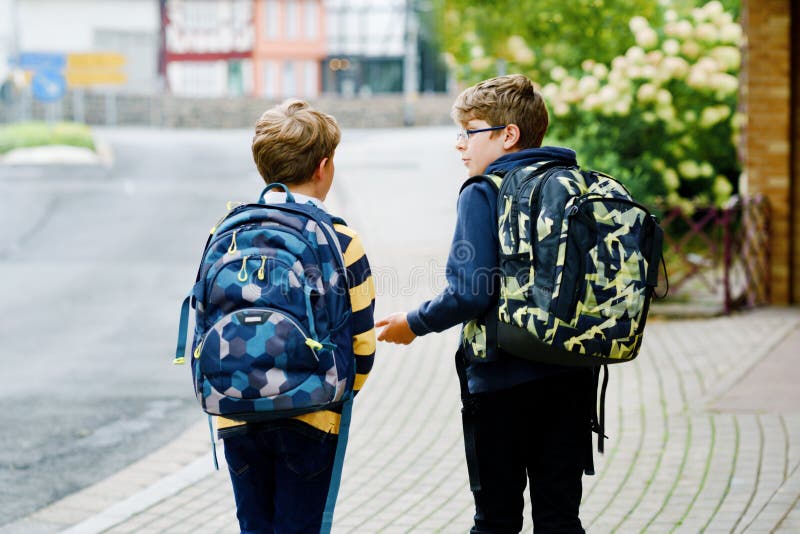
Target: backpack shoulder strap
[(338, 220), (492, 179)]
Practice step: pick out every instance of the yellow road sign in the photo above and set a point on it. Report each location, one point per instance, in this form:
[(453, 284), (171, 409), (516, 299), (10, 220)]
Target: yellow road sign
[(88, 78), (95, 60), (95, 68)]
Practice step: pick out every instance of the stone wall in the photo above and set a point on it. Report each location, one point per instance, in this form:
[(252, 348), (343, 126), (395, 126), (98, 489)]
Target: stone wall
[(175, 112)]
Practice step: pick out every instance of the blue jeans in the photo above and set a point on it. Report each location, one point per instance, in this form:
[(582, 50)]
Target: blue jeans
[(280, 475)]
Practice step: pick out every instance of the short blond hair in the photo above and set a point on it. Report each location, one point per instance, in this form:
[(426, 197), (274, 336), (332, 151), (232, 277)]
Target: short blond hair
[(291, 140), (505, 100)]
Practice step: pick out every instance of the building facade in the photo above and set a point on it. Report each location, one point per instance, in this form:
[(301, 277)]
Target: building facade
[(228, 48), (281, 48), (207, 47), (366, 44), (290, 48)]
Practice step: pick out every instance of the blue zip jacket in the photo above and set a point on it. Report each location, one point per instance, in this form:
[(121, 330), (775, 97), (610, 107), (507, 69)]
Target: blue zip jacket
[(473, 276)]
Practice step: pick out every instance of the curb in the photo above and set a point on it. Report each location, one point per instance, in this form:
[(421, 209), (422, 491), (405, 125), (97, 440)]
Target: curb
[(60, 155), (159, 475), (144, 499)]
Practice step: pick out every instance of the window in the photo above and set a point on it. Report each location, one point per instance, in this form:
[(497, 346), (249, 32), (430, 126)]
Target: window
[(311, 79), (235, 79), (247, 76), (272, 20), (291, 19), (311, 17), (289, 79), (200, 15), (198, 78), (242, 15), (269, 79)]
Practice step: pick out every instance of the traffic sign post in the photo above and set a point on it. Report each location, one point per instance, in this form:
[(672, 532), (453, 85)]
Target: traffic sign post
[(48, 86), (50, 75), (96, 68), (37, 61), (47, 82)]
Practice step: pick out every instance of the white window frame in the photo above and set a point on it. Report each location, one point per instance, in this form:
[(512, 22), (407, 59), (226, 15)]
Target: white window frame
[(289, 79), (269, 78), (291, 20), (311, 79), (272, 20), (311, 19)]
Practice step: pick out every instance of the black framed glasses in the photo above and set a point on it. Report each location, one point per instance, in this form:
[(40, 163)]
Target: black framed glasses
[(463, 135)]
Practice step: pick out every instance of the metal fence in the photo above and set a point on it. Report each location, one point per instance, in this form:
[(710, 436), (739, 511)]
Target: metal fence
[(719, 257)]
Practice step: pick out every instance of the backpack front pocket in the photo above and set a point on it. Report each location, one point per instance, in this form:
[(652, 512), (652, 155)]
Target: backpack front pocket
[(256, 353), (603, 268)]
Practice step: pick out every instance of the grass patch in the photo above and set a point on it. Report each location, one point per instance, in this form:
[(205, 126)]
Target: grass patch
[(33, 134)]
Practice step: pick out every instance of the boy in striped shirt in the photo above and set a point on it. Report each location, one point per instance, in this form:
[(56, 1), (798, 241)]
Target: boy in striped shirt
[(281, 470)]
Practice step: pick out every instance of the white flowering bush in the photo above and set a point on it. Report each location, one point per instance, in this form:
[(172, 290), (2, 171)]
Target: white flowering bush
[(484, 39), (662, 117)]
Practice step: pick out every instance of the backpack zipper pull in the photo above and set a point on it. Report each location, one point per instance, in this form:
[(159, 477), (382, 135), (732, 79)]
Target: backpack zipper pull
[(313, 343), (261, 269), (232, 248), (230, 206), (197, 350), (242, 276)]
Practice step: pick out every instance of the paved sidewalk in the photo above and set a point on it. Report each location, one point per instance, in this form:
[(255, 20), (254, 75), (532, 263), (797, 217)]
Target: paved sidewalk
[(704, 426), (691, 449)]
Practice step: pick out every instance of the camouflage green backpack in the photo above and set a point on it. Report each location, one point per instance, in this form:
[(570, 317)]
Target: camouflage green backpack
[(579, 261)]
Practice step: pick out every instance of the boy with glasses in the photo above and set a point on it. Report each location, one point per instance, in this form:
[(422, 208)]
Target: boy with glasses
[(523, 421)]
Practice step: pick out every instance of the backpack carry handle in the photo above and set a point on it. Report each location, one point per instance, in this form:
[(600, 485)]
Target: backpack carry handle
[(289, 196)]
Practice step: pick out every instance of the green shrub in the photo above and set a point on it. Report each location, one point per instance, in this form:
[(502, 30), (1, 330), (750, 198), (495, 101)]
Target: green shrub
[(33, 134), (532, 36)]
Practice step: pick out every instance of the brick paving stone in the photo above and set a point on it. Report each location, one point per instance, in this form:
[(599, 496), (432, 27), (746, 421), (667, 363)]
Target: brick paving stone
[(790, 523), (766, 521)]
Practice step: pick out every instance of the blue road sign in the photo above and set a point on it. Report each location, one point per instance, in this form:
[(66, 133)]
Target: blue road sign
[(36, 61), (48, 86)]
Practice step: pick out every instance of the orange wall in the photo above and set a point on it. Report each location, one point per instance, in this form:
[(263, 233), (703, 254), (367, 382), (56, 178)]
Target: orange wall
[(301, 48)]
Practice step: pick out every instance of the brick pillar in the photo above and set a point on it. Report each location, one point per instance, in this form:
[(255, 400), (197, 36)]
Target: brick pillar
[(768, 147), (794, 279)]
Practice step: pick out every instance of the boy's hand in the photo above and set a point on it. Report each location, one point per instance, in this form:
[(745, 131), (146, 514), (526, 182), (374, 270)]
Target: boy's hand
[(397, 329)]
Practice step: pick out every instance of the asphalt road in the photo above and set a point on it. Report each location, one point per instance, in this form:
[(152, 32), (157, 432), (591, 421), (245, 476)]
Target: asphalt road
[(94, 264)]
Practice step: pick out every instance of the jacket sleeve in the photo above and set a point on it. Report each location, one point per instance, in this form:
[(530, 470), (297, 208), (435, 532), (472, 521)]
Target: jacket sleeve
[(471, 266)]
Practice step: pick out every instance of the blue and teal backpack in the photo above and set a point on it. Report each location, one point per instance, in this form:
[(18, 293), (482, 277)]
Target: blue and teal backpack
[(272, 336)]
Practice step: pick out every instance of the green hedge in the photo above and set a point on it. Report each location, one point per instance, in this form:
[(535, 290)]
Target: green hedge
[(33, 134)]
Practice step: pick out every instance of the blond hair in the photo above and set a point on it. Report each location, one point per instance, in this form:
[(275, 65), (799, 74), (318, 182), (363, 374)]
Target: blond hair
[(290, 141), (505, 100)]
